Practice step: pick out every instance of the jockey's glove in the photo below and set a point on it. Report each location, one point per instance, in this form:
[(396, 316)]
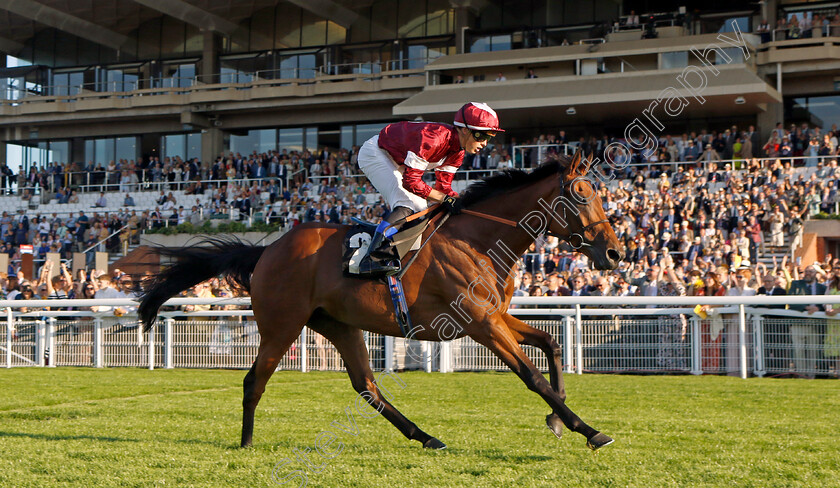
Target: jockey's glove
[(452, 205)]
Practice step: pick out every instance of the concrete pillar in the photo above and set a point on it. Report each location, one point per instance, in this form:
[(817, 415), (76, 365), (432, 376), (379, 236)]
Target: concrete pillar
[(210, 57), (766, 122), (462, 20), (212, 145)]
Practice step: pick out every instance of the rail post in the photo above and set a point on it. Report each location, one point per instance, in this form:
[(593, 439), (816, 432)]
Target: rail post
[(10, 330), (98, 336), (742, 340), (696, 357), (568, 358), (303, 351), (428, 352), (51, 341), (168, 359), (579, 339), (389, 354), (758, 345), (445, 357), (151, 346), (40, 343)]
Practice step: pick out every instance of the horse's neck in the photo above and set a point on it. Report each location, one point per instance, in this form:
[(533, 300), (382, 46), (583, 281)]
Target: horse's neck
[(486, 235)]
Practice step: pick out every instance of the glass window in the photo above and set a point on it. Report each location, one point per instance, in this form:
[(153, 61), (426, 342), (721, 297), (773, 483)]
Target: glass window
[(194, 145), (307, 64), (126, 148), (411, 21), (820, 111), (287, 22), (383, 20), (60, 84), (65, 49), (346, 136), (366, 131), (262, 30), (174, 145), (480, 44), (103, 151), (736, 56), (60, 151), (336, 34), (500, 43), (313, 30), (89, 151), (441, 18), (149, 40), (310, 141), (194, 42), (490, 15), (290, 139), (677, 59), (172, 43), (417, 56), (360, 30)]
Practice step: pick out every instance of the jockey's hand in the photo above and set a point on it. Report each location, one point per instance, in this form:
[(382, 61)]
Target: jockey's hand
[(452, 205)]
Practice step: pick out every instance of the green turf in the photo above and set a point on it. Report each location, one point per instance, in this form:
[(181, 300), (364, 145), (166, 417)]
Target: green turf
[(179, 428)]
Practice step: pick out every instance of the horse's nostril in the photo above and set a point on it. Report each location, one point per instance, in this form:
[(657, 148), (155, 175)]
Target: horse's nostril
[(613, 255)]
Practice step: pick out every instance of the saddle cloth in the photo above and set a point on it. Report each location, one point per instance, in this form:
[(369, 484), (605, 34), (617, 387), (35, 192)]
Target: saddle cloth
[(358, 238)]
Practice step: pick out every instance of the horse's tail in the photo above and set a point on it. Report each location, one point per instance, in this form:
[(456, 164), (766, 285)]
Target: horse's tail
[(209, 258)]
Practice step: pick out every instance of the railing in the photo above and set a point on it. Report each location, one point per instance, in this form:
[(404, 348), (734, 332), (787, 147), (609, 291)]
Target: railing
[(200, 83), (739, 337), (781, 34)]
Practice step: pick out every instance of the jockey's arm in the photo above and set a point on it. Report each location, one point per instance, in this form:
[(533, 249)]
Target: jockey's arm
[(413, 182)]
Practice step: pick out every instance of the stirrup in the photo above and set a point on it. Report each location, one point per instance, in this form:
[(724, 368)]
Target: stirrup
[(371, 267)]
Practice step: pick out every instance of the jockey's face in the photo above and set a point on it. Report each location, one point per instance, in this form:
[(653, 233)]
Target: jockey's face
[(469, 143)]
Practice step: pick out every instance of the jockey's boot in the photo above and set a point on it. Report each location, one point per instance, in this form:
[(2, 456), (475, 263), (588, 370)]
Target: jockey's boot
[(380, 259)]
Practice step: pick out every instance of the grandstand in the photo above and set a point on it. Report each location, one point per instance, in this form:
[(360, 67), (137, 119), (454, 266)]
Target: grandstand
[(253, 112)]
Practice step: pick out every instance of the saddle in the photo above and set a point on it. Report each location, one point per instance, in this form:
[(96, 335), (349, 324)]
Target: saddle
[(358, 238)]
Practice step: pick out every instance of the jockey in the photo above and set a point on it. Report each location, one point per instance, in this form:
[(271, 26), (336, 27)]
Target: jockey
[(394, 161)]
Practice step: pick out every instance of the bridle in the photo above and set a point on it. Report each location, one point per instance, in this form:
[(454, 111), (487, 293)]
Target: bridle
[(576, 239)]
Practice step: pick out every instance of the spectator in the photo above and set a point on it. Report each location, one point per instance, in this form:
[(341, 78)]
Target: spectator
[(101, 202), (129, 201), (804, 335)]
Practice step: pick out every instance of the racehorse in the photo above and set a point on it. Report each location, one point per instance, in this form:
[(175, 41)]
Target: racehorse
[(298, 280)]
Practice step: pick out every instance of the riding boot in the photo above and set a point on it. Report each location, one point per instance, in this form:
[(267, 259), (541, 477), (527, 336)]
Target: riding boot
[(380, 259)]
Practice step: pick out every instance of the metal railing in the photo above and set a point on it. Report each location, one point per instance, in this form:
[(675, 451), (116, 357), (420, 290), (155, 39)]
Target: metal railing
[(741, 336), (199, 83)]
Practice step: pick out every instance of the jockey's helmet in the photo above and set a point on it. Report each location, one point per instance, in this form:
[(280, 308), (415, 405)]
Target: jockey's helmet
[(478, 116)]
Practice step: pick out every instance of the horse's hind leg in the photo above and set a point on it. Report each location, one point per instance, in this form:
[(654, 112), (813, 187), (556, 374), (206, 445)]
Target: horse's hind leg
[(272, 349), (525, 334), (351, 345)]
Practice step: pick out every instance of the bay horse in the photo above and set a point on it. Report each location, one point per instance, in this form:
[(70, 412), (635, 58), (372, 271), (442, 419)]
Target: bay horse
[(298, 280)]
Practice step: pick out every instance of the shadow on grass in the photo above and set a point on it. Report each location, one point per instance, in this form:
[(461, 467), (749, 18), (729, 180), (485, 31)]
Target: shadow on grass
[(50, 437)]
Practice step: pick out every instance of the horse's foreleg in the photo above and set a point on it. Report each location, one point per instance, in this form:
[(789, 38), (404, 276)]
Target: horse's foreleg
[(526, 334), (270, 353), (351, 345), (501, 341)]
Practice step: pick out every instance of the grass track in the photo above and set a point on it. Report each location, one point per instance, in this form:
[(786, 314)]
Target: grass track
[(132, 427)]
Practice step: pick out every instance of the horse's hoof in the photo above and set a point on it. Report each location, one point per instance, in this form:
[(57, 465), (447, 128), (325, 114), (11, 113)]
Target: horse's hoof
[(434, 444), (598, 441), (555, 425)]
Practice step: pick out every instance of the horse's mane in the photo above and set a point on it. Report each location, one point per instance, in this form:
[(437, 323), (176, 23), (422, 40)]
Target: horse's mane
[(510, 179)]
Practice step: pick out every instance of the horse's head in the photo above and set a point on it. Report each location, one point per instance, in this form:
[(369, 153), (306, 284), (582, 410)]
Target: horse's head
[(586, 226)]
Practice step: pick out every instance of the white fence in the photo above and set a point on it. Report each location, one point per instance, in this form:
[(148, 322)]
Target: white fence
[(741, 336)]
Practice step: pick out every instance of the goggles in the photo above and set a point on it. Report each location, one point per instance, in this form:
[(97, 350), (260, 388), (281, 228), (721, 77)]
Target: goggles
[(480, 136)]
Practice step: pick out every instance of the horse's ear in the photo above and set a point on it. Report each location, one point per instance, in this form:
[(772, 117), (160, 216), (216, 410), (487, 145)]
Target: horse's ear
[(573, 168)]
